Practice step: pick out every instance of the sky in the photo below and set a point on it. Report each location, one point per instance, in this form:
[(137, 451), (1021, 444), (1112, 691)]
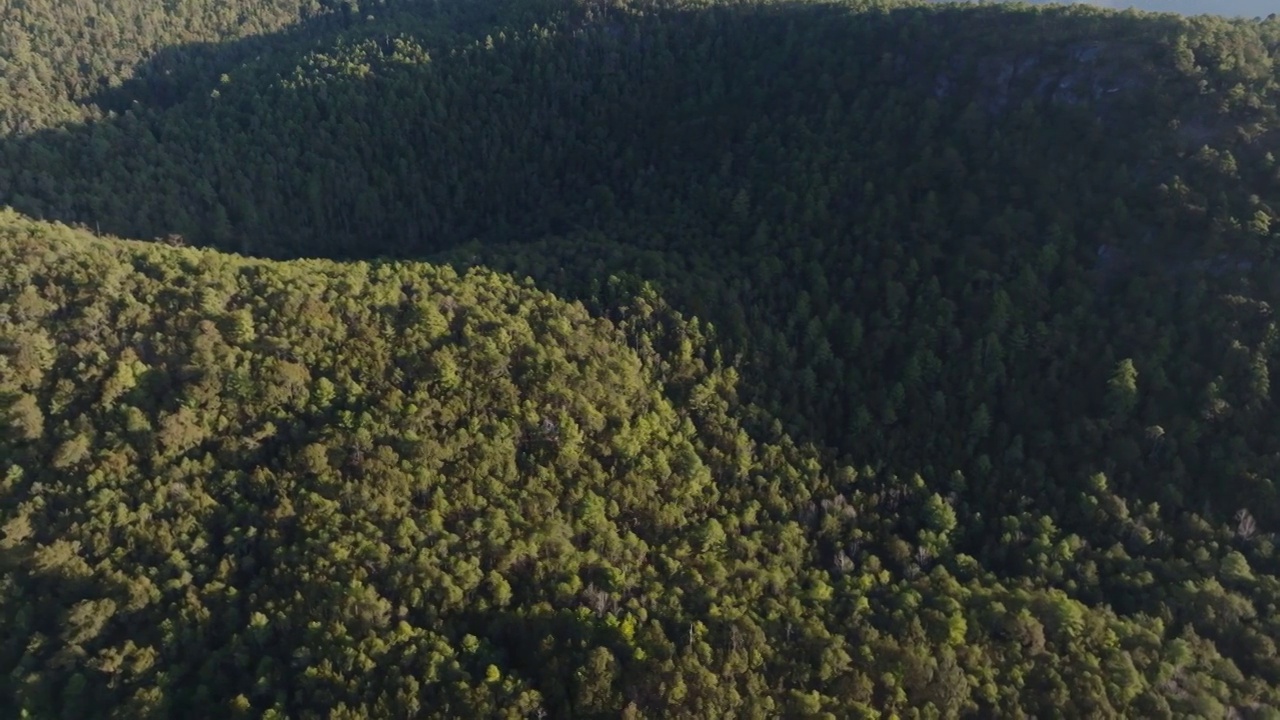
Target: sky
[(1243, 8)]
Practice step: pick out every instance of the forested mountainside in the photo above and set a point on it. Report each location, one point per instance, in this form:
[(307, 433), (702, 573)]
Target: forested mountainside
[(638, 358), (55, 54)]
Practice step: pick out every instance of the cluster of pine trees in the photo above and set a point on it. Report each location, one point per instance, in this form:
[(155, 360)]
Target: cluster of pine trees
[(775, 359)]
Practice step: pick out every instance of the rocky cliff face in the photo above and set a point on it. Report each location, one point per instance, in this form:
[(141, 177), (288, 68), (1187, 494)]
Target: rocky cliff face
[(1100, 74)]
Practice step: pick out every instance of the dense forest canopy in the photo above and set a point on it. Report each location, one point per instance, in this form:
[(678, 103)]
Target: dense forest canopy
[(641, 358), (1229, 8)]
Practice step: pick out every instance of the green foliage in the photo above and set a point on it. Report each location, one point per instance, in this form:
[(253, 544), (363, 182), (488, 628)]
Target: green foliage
[(1122, 388), (785, 240)]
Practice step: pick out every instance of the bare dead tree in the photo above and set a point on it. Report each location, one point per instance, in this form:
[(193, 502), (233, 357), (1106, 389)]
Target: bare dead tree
[(1245, 524)]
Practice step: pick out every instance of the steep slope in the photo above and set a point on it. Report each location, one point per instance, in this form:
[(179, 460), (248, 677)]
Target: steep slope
[(322, 490), (228, 479), (891, 186), (1014, 265), (57, 56)]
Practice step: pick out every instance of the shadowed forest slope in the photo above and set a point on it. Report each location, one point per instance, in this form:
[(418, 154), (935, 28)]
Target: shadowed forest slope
[(901, 358), (837, 172)]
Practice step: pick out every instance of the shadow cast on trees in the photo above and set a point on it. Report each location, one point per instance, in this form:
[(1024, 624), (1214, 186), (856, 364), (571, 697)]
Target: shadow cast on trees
[(340, 138), (760, 183)]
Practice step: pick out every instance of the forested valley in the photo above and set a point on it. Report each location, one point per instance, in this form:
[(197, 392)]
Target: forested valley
[(637, 358)]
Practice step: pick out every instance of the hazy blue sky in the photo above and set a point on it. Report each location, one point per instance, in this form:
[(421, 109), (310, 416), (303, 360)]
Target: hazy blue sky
[(1246, 8)]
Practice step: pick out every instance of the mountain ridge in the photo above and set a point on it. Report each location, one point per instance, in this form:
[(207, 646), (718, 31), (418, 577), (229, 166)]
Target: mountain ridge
[(745, 374)]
